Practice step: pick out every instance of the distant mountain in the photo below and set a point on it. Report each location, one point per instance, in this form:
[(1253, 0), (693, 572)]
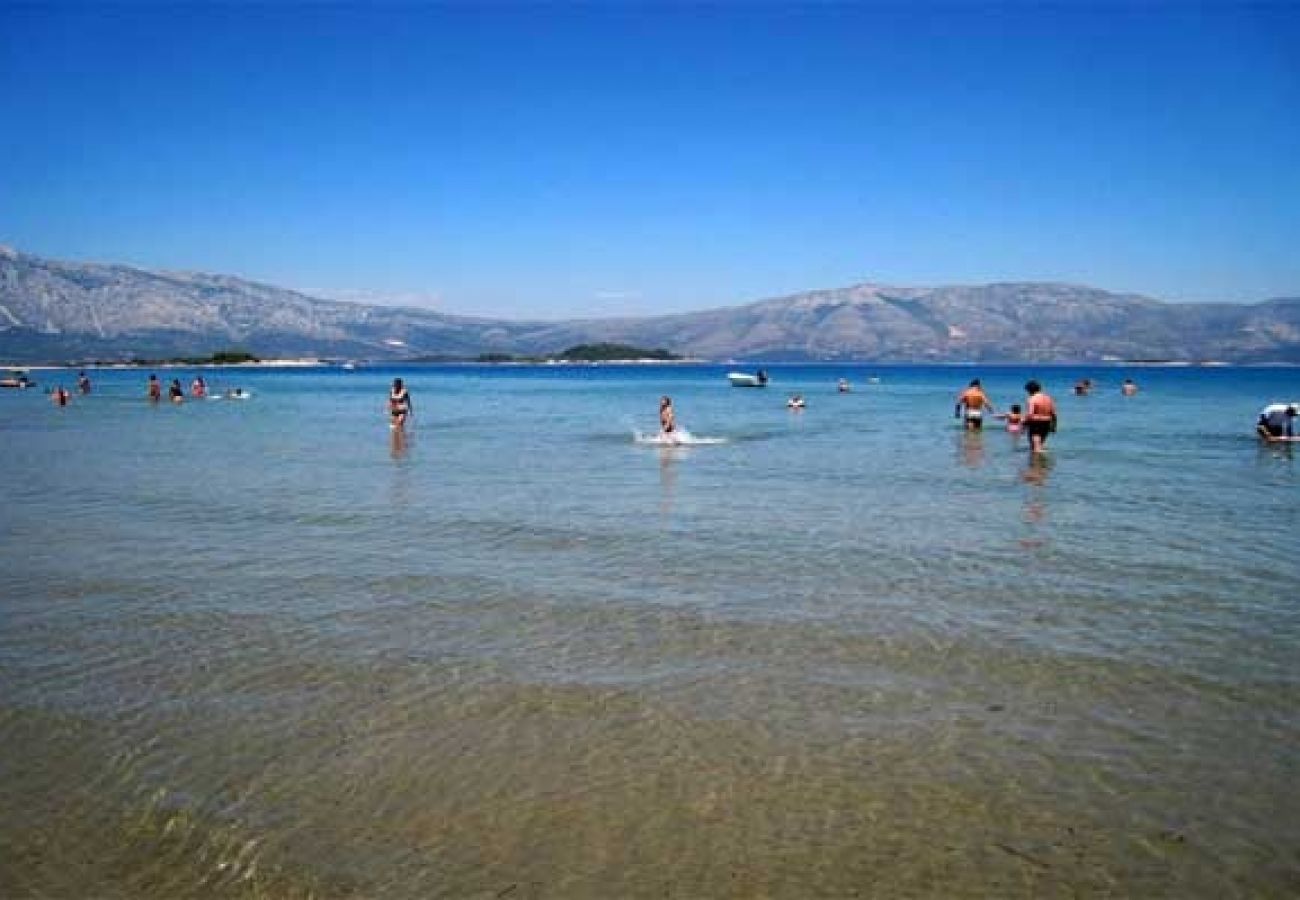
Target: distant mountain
[(53, 311), (987, 323)]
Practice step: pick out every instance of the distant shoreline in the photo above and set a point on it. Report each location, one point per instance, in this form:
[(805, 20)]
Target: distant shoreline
[(308, 363)]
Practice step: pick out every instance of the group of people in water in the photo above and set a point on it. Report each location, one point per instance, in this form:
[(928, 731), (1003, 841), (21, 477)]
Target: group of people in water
[(60, 396), (176, 393), (198, 390), (1083, 387), (1038, 419)]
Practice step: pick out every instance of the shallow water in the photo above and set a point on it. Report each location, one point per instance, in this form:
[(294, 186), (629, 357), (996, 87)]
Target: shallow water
[(262, 649)]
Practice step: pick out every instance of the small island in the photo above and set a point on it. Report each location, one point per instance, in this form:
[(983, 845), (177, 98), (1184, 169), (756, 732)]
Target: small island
[(220, 358), (588, 353), (613, 353)]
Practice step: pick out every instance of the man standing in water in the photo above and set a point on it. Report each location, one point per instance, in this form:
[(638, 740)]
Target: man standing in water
[(973, 401), (1040, 416)]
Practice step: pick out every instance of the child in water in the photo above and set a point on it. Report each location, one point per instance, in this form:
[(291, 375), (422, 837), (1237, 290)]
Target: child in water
[(1015, 419)]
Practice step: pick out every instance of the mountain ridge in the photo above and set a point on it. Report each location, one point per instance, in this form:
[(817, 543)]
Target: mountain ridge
[(52, 310)]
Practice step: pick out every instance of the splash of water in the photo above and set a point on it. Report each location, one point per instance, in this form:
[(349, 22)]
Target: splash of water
[(679, 438)]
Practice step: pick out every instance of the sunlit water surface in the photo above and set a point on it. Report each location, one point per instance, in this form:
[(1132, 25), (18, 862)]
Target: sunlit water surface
[(259, 648)]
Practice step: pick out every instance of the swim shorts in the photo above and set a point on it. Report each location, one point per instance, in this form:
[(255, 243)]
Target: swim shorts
[(1039, 428)]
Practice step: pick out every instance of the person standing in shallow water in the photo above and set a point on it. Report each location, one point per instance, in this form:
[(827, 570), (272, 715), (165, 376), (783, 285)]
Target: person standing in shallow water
[(972, 402), (155, 389), (1040, 416), (667, 418), (399, 405)]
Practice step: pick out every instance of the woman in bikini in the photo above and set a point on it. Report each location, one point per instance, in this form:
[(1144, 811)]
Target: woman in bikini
[(399, 405)]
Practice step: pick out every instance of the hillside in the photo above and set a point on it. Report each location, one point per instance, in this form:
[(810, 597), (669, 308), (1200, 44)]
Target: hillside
[(53, 311)]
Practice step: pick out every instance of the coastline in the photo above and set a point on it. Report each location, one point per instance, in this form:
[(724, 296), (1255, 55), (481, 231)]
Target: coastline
[(259, 364)]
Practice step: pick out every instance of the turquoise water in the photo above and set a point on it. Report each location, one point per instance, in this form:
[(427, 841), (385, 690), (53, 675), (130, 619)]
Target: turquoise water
[(261, 648)]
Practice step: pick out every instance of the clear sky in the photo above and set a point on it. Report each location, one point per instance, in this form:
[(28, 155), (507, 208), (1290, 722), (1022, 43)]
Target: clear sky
[(546, 160)]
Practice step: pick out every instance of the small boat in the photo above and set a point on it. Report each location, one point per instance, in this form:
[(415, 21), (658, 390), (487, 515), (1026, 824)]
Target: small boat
[(744, 379), (16, 378)]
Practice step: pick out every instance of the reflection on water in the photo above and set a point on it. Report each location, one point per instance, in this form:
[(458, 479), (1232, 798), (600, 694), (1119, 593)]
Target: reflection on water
[(1034, 475), (970, 449), (397, 443), (298, 666), (1036, 470), (668, 458)]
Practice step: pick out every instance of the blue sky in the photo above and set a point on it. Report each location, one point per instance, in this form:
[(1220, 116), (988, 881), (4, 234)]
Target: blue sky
[(551, 160)]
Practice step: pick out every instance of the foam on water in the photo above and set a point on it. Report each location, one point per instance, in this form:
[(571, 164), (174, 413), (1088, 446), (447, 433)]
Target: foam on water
[(678, 438)]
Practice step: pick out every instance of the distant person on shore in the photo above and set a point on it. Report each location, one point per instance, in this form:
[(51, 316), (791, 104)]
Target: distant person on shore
[(1129, 387), (1040, 417), (83, 383), (667, 418), (59, 396), (176, 392), (1015, 419), (399, 405), (155, 389), (1277, 422), (199, 388), (971, 404)]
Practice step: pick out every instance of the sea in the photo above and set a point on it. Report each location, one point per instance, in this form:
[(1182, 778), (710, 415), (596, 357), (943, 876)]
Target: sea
[(268, 648)]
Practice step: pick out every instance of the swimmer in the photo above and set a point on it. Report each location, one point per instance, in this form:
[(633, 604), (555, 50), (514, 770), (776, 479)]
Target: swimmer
[(842, 386), (1083, 387), (1128, 388), (59, 396), (176, 392), (1041, 417), (155, 389), (399, 405), (795, 401), (83, 383), (199, 388), (1277, 422), (972, 402), (667, 418)]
